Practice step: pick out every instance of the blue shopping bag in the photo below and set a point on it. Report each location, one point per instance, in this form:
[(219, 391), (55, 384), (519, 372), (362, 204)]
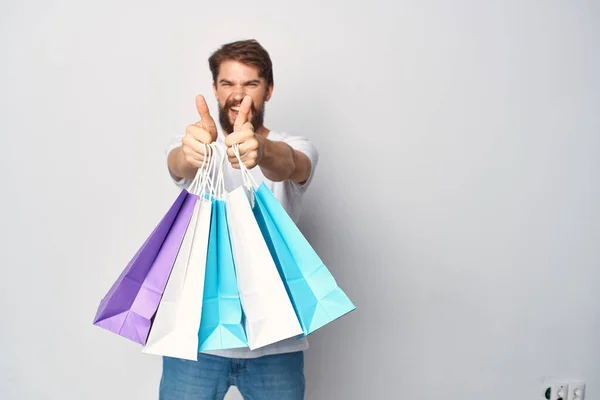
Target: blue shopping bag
[(316, 297), (222, 321)]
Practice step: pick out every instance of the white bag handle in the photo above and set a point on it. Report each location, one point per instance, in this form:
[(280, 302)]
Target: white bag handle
[(220, 184), (212, 170), (249, 181), (202, 178)]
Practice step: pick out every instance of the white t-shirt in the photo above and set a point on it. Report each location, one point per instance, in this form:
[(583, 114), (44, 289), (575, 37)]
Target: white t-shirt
[(290, 195)]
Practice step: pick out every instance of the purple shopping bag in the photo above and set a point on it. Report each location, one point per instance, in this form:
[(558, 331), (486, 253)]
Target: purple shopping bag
[(129, 306)]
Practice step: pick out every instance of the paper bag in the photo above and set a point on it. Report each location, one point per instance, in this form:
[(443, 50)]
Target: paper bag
[(270, 316), (222, 324), (174, 331), (316, 297), (130, 304)]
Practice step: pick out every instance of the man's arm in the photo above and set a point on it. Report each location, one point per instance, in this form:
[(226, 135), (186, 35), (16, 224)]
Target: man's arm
[(277, 160), (280, 162), (178, 167)]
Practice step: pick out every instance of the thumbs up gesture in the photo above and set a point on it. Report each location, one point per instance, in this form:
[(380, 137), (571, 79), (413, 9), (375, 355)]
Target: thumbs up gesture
[(250, 144), (198, 134)]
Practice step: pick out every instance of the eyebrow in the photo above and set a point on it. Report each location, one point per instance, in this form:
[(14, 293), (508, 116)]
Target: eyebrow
[(253, 81)]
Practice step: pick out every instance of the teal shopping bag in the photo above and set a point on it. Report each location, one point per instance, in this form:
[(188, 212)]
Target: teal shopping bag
[(222, 321), (315, 295)]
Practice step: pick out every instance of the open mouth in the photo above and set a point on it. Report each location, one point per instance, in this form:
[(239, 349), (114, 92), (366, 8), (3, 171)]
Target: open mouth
[(234, 111)]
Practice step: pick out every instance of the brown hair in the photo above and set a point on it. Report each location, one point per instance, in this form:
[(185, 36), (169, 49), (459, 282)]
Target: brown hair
[(248, 52)]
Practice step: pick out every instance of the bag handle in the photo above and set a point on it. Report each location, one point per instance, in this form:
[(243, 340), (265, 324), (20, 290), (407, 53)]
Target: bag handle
[(214, 176), (203, 178), (220, 184), (249, 181), (217, 185)]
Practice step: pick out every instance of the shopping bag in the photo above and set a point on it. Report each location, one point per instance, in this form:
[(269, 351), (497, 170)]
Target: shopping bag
[(316, 297), (130, 304), (174, 331), (222, 325), (269, 314)]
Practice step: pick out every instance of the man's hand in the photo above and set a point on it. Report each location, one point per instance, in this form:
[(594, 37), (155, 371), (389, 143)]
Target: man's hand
[(250, 145), (197, 135)]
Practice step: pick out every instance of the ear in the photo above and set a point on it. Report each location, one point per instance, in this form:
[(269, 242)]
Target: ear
[(215, 90), (269, 92)]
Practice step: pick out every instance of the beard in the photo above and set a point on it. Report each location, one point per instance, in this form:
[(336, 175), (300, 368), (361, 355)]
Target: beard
[(257, 120)]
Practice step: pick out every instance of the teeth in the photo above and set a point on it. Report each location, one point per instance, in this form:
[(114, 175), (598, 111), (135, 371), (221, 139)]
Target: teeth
[(235, 109)]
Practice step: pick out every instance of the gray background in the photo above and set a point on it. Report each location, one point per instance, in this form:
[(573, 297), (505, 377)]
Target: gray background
[(456, 200)]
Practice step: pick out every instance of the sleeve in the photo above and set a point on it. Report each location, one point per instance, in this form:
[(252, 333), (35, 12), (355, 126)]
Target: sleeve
[(304, 145), (173, 144)]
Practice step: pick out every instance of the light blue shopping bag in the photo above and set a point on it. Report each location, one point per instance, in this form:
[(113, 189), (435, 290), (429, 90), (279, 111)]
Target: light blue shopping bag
[(222, 321), (316, 297)]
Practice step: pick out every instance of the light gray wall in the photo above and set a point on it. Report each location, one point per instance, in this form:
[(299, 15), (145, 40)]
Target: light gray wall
[(456, 200)]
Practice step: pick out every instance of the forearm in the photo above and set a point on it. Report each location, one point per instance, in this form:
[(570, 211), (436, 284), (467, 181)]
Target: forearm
[(178, 166), (281, 162), (278, 160)]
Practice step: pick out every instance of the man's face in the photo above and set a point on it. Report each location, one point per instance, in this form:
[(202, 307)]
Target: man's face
[(235, 81)]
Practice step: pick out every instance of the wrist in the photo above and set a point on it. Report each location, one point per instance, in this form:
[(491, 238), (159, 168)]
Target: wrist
[(264, 149), (183, 167), (278, 160), (180, 161)]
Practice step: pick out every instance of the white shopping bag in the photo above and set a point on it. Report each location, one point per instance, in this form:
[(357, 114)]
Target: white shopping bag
[(174, 332), (270, 316)]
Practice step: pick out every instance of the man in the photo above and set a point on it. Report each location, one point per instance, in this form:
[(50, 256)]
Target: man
[(242, 83)]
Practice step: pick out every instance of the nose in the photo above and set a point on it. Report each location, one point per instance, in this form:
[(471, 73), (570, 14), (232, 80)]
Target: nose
[(239, 93)]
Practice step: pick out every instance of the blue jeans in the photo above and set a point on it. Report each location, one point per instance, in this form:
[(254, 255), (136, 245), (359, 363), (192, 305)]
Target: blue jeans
[(273, 377)]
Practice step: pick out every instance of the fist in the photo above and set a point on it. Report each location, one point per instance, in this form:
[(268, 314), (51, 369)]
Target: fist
[(198, 135), (249, 143)]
